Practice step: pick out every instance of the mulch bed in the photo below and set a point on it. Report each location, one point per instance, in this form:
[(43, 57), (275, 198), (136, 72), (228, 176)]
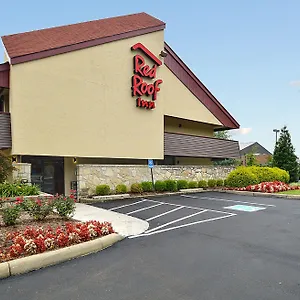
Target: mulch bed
[(24, 221)]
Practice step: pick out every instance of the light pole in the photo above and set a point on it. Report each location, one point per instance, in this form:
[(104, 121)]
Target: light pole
[(276, 132)]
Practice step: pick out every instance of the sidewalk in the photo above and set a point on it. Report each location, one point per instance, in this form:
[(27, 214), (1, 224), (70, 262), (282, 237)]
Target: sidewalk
[(122, 224)]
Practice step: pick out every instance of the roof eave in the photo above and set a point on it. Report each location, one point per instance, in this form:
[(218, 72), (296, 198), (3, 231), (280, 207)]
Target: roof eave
[(84, 45), (214, 105)]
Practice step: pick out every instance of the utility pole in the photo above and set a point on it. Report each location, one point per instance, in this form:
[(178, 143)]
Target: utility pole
[(276, 132)]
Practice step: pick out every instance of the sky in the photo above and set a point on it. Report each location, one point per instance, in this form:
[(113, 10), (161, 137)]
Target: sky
[(247, 53)]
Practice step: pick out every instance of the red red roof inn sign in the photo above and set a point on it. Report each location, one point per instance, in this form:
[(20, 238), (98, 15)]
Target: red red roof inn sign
[(141, 88)]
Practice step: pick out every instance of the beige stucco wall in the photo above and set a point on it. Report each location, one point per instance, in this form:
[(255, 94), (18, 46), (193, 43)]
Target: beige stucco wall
[(181, 103), (80, 104), (188, 127)]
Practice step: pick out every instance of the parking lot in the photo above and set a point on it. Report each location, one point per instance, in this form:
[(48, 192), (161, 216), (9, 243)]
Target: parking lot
[(164, 215), (198, 246)]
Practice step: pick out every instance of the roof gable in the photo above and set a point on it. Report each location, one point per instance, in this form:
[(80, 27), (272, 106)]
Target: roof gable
[(190, 80), (256, 148), (37, 44)]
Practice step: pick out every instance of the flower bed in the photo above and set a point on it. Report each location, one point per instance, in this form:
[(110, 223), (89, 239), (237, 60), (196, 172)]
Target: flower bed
[(267, 187), (37, 239)]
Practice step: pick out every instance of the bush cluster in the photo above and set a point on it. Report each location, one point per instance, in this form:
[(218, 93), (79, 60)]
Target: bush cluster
[(245, 176), (147, 186), (17, 189), (202, 184), (182, 184), (102, 189), (193, 184), (160, 186), (121, 189), (38, 208), (136, 188)]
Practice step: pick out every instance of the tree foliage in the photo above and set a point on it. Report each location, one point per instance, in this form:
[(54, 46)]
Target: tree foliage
[(6, 167), (222, 135), (284, 156)]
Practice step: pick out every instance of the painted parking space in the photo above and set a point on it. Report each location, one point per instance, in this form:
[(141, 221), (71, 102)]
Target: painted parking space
[(165, 216)]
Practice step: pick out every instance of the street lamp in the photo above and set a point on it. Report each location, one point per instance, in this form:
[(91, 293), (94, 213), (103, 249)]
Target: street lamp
[(276, 132)]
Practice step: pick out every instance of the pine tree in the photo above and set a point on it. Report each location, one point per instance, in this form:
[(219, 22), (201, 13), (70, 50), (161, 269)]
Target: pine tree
[(284, 156)]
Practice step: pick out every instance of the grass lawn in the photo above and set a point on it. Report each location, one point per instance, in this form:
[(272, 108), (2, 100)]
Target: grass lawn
[(292, 192)]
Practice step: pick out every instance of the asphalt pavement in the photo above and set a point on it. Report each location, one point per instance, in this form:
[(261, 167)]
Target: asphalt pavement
[(198, 246)]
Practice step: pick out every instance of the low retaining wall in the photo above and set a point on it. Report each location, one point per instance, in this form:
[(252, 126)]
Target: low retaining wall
[(89, 176)]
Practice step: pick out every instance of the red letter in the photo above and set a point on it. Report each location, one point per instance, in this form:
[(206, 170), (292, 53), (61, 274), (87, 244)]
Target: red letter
[(156, 88), (144, 103), (136, 82), (151, 105), (144, 87), (152, 73), (138, 64), (138, 102), (150, 89)]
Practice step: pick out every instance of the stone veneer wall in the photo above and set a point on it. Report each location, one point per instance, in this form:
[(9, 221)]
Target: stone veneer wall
[(22, 171), (89, 176)]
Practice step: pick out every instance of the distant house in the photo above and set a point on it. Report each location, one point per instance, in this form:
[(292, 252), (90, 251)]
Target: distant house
[(261, 153)]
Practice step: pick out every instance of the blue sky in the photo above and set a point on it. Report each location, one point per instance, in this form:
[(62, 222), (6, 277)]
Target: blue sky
[(246, 52)]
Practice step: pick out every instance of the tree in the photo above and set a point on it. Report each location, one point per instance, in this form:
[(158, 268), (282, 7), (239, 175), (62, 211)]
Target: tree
[(250, 157), (284, 156), (222, 135), (6, 167)]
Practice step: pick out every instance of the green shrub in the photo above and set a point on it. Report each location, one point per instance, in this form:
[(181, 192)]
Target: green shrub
[(219, 182), (182, 184), (171, 185), (160, 186), (202, 184), (263, 174), (121, 189), (212, 183), (225, 183), (10, 213), (147, 186), (136, 188), (193, 184), (38, 208), (65, 205), (102, 189), (241, 177), (281, 175), (17, 189)]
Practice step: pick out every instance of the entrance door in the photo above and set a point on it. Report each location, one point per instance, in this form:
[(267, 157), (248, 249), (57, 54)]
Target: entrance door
[(47, 173)]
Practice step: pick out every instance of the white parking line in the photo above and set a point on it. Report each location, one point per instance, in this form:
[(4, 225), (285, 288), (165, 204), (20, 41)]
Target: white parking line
[(128, 204), (192, 207), (177, 220), (165, 213), (144, 208), (179, 226), (228, 200)]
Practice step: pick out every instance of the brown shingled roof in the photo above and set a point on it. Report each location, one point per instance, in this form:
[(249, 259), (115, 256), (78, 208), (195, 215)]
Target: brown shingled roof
[(21, 44)]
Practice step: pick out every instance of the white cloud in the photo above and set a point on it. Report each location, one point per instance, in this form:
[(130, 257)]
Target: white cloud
[(295, 83), (242, 131)]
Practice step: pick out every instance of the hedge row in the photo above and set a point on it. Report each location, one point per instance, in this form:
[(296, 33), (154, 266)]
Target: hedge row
[(244, 176), (159, 186)]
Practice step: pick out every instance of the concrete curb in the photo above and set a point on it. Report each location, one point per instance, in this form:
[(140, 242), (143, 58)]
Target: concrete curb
[(258, 194), (131, 196), (38, 261)]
